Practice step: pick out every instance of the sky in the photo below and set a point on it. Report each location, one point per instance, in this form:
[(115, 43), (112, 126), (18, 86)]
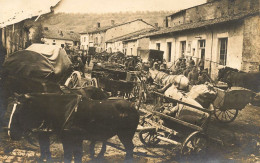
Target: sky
[(9, 7)]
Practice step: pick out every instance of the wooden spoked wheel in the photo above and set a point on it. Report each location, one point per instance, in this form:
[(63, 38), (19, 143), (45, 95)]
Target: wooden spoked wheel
[(148, 137), (94, 82), (74, 80), (194, 144), (225, 116)]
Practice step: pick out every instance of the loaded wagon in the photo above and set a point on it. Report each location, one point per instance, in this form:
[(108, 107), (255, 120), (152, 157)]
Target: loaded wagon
[(185, 127), (114, 79)]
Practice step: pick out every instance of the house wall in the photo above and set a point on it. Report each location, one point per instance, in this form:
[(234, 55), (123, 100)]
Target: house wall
[(21, 35), (176, 20), (58, 42), (125, 29), (234, 33), (251, 44), (98, 40), (214, 9), (115, 47), (84, 41), (142, 43), (131, 45)]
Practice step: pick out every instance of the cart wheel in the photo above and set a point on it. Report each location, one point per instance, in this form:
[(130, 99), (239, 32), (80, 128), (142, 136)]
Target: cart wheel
[(148, 137), (225, 116), (194, 144), (94, 82), (74, 80)]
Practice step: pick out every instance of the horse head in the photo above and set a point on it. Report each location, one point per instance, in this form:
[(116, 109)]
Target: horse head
[(24, 117)]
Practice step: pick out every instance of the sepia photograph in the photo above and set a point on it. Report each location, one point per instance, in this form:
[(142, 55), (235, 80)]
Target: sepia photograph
[(129, 81)]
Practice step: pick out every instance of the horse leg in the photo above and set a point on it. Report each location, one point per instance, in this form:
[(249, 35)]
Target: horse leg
[(92, 150), (126, 139), (67, 148), (44, 141), (103, 150), (77, 150)]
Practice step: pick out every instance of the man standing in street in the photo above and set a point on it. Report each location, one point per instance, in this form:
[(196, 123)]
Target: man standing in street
[(88, 59)]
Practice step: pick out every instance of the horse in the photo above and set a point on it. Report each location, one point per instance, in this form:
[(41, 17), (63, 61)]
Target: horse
[(95, 120), (234, 77), (180, 81)]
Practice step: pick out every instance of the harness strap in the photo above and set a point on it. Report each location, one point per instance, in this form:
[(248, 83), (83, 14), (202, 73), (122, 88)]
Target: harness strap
[(75, 108)]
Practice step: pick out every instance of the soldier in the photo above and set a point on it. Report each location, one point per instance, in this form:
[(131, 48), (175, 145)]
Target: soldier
[(201, 63), (203, 78), (193, 76)]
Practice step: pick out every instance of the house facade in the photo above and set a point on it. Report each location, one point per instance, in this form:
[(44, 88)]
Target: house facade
[(101, 37), (222, 32), (66, 39), (129, 43), (95, 38), (131, 46)]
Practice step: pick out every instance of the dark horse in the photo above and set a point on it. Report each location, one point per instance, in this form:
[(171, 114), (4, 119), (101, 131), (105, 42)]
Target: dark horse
[(234, 77), (95, 120)]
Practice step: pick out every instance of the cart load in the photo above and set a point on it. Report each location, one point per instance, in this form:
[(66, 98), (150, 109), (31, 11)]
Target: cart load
[(39, 61), (117, 57), (203, 94), (150, 55)]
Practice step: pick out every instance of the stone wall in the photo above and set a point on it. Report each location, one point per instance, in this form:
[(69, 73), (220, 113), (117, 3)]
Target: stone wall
[(251, 44), (215, 9), (126, 29)]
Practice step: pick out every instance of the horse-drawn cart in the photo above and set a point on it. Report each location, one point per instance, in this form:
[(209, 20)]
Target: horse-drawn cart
[(229, 102), (115, 80), (184, 127)]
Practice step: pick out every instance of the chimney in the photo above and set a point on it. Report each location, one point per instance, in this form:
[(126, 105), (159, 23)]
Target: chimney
[(112, 22), (98, 25), (156, 25)]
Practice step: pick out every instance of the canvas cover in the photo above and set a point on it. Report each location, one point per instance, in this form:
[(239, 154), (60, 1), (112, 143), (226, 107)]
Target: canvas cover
[(39, 61), (148, 54)]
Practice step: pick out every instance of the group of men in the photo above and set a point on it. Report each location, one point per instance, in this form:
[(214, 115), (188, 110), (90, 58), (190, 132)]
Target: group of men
[(195, 72)]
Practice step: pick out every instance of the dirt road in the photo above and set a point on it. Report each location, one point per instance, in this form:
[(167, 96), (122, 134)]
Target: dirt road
[(239, 141)]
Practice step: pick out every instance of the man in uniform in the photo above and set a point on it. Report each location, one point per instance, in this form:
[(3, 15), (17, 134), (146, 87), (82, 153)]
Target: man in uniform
[(193, 76), (203, 78)]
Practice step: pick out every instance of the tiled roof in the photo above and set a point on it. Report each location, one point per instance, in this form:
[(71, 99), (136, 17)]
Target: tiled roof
[(105, 28), (100, 29), (200, 24), (56, 34), (130, 35)]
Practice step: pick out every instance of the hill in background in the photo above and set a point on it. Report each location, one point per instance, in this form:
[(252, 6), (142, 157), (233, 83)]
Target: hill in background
[(79, 22)]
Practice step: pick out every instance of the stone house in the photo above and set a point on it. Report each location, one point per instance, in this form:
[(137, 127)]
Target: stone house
[(101, 35), (223, 32), (68, 39), (121, 43)]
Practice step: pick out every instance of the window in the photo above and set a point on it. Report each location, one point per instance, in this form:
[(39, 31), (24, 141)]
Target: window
[(53, 43), (183, 48), (101, 39), (169, 46), (202, 44), (96, 40), (84, 39), (53, 40), (131, 51), (223, 51), (158, 46)]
